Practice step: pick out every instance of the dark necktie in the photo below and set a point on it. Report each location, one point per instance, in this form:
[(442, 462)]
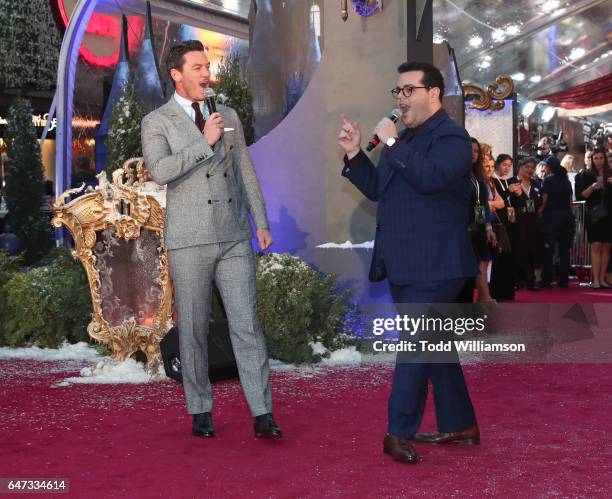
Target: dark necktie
[(199, 121)]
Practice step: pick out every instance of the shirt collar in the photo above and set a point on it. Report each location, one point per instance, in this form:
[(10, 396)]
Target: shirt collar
[(186, 103), (181, 100)]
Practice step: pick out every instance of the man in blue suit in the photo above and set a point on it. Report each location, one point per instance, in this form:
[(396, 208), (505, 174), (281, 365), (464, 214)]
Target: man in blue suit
[(422, 244)]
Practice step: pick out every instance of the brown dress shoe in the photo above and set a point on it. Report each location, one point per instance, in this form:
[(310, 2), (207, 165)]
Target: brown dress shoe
[(471, 436), (400, 449)]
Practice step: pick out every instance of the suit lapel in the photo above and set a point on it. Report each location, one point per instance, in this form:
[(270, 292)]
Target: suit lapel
[(185, 126), (183, 122), (219, 149), (387, 173)]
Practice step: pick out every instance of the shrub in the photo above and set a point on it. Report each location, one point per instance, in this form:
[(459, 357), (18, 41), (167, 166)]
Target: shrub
[(123, 140), (25, 183), (46, 305), (233, 90), (299, 306), (9, 266)]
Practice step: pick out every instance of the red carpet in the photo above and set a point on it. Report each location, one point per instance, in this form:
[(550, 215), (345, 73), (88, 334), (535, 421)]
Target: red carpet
[(545, 432), (573, 294)]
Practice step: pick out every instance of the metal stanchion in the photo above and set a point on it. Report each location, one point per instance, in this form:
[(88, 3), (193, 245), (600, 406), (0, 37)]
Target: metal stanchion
[(580, 256)]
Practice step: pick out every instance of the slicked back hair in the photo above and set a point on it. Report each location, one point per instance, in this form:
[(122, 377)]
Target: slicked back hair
[(175, 58), (432, 77)]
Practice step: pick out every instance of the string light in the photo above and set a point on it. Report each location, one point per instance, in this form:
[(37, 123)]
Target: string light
[(550, 5), (577, 53), (475, 41)]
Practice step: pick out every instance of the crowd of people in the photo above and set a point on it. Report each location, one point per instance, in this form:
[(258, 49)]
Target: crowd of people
[(518, 223)]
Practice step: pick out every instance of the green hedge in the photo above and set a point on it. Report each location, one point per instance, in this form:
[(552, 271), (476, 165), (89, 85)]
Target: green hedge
[(299, 306), (9, 267), (46, 305)]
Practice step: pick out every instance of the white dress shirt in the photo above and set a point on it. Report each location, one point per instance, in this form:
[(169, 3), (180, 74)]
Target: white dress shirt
[(186, 105)]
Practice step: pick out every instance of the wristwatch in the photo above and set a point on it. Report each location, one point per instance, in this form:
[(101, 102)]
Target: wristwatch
[(390, 141)]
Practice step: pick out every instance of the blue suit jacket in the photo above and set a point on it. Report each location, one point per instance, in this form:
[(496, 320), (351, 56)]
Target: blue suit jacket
[(423, 192)]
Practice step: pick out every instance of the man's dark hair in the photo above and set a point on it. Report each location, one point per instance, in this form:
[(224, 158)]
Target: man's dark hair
[(431, 74), (175, 59), (528, 159), (555, 166)]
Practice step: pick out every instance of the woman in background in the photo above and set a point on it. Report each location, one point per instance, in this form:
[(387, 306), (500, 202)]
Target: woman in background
[(594, 186), (526, 199), (569, 163), (481, 231), (503, 267), (494, 202)]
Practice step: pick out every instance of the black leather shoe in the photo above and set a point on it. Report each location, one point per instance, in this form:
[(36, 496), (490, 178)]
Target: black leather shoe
[(202, 425), (266, 427)]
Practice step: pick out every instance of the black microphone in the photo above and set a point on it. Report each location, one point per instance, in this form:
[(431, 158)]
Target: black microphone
[(394, 116), (211, 103)]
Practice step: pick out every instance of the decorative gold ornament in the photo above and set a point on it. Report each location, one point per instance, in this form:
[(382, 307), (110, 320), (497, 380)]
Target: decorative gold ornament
[(493, 97), (344, 10), (122, 208)]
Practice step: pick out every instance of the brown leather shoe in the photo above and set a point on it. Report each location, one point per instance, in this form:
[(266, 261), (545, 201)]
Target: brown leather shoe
[(471, 436), (400, 449)]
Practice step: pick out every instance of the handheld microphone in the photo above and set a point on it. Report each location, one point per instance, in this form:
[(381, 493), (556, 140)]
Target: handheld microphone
[(394, 116), (211, 103)]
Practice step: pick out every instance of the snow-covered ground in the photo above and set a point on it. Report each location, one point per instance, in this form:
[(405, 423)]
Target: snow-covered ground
[(109, 371), (104, 370), (77, 351)]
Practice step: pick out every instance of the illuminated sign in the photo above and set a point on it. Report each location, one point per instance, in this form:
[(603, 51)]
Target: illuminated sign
[(39, 121), (100, 46)]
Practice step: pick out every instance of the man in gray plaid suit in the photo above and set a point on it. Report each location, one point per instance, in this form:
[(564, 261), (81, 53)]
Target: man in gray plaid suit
[(211, 185)]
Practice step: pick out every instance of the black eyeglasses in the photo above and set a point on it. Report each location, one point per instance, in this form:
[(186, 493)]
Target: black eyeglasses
[(406, 90)]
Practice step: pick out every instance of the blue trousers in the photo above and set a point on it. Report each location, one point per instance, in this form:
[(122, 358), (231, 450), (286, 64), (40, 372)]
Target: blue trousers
[(454, 410)]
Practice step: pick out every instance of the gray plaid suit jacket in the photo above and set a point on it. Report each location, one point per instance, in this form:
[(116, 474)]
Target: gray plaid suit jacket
[(209, 191)]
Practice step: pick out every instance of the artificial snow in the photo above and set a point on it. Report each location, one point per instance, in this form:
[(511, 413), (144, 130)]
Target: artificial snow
[(348, 245), (105, 370), (109, 371), (77, 351), (347, 355)]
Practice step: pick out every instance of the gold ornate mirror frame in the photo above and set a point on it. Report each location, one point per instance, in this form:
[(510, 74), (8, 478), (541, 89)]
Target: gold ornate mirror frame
[(125, 207), (491, 98)]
